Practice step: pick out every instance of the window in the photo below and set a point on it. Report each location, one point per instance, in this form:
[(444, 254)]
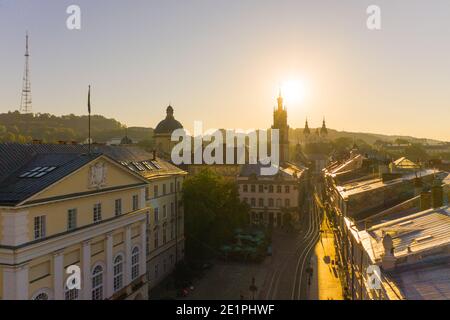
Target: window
[(253, 202), (164, 235), (37, 172), (261, 202), (278, 189), (156, 239), (171, 187), (164, 211), (71, 294), (278, 203), (245, 200), (253, 188), (41, 296), (71, 219), (172, 211), (155, 191), (156, 271), (135, 202), (156, 215), (118, 207), (97, 283), (147, 193), (287, 203), (118, 273), (287, 189), (245, 188), (271, 202), (260, 188), (164, 189), (179, 186), (39, 227), (135, 263), (97, 212), (270, 188), (172, 231)]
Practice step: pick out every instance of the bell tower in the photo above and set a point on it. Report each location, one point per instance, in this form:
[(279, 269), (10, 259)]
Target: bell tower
[(280, 123)]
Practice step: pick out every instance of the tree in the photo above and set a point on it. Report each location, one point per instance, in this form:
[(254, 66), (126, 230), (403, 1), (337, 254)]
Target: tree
[(213, 211)]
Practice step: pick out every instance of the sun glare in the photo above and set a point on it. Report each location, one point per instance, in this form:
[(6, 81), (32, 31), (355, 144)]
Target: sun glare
[(294, 91)]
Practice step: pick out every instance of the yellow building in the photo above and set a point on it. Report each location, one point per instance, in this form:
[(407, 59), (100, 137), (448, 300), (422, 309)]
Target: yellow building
[(116, 214), (165, 221), (62, 208)]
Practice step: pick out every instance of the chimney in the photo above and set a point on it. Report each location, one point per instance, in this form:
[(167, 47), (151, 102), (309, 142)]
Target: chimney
[(388, 259), (425, 201), (437, 192)]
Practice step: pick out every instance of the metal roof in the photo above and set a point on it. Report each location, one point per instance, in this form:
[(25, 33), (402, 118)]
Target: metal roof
[(17, 159)]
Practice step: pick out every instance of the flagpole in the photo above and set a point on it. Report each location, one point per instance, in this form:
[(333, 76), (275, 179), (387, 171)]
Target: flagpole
[(89, 119)]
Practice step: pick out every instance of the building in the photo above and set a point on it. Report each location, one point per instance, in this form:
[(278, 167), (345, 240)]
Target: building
[(280, 123), (59, 208), (155, 193), (314, 148), (165, 221), (375, 210), (412, 252), (163, 133), (274, 200)]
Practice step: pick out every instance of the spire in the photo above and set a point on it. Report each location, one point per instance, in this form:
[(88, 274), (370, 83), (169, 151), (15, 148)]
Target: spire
[(169, 111), (324, 130), (280, 100), (306, 131)]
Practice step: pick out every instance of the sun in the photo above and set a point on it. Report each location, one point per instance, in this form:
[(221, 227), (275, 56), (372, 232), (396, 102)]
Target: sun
[(294, 91)]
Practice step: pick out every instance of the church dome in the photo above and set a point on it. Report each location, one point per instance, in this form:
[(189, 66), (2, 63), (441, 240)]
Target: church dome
[(169, 124)]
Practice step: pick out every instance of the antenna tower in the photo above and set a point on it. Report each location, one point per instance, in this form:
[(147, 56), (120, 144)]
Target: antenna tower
[(25, 102)]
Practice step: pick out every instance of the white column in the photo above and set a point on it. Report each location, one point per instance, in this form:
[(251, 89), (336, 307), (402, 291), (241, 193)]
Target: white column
[(127, 255), (15, 283), (86, 285), (143, 252), (58, 275), (109, 266)]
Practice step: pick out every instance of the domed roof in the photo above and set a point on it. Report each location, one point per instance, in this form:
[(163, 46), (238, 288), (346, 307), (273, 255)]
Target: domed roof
[(169, 124)]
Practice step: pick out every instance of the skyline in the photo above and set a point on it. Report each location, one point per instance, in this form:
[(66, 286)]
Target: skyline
[(360, 80)]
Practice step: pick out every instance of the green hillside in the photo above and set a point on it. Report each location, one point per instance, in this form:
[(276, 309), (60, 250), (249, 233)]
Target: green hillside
[(22, 128)]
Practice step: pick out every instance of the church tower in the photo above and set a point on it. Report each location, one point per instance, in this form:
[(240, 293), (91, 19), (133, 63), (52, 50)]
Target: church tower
[(324, 130), (280, 123)]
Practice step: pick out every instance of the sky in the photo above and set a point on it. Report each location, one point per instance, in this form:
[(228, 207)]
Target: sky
[(222, 62)]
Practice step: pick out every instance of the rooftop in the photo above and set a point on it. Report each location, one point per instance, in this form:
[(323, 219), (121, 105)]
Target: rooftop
[(413, 234), (358, 187)]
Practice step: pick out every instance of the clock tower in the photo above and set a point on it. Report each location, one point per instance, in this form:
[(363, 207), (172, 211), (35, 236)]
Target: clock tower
[(280, 123)]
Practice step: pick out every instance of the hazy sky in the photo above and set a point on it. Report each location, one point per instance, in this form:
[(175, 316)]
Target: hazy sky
[(221, 61)]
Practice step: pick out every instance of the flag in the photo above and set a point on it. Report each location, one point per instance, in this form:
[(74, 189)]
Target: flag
[(89, 100)]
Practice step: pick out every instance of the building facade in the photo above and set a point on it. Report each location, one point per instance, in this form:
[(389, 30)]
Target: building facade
[(274, 201), (68, 210)]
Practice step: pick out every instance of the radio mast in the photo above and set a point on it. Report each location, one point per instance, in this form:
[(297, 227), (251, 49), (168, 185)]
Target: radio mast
[(25, 102)]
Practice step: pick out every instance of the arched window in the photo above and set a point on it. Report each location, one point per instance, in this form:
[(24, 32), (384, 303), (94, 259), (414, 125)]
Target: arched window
[(118, 273), (71, 294), (97, 283), (135, 263), (41, 296)]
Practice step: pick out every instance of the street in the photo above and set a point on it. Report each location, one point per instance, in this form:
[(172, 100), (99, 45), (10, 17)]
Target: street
[(286, 275)]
